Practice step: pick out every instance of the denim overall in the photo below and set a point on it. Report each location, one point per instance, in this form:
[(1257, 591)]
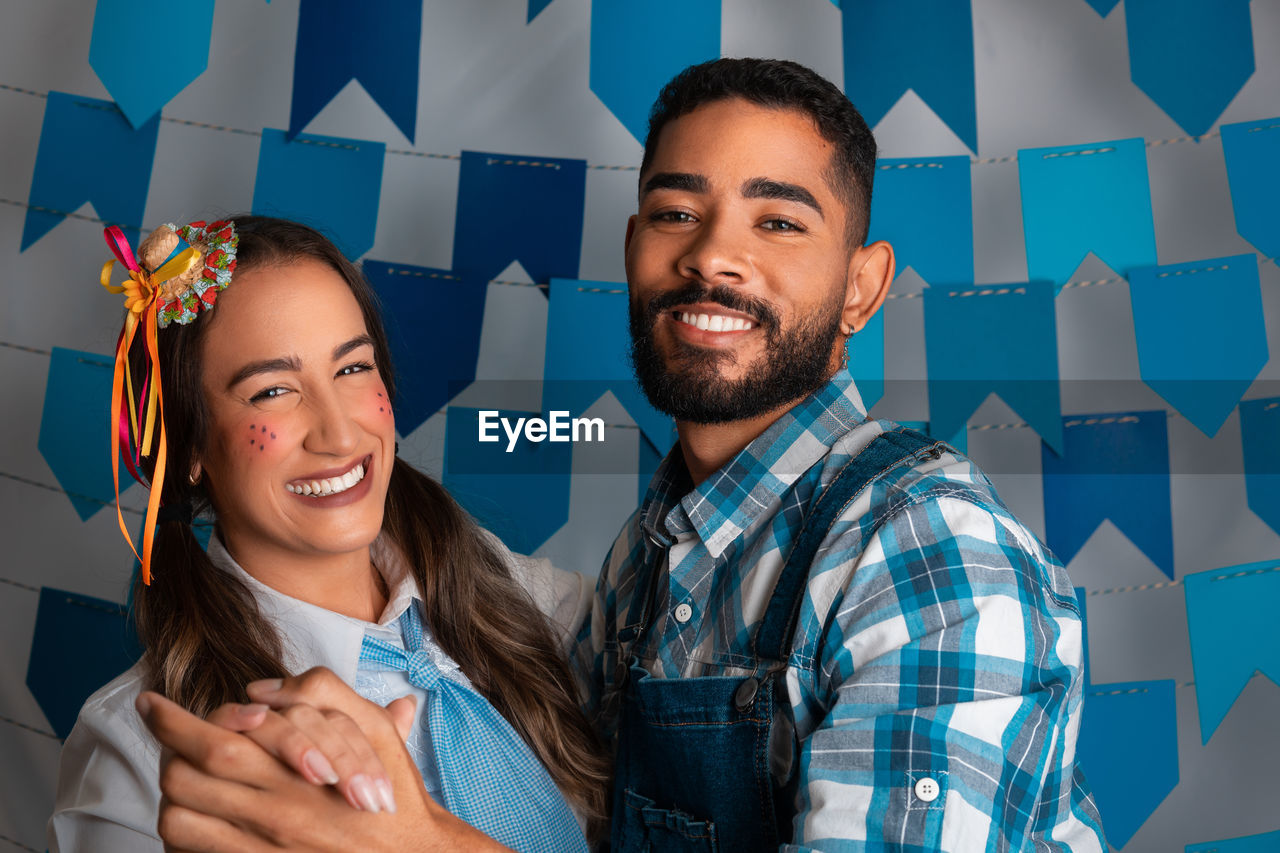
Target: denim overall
[(693, 757)]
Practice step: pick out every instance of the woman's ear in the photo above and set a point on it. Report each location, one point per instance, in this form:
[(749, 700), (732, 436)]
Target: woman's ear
[(871, 271)]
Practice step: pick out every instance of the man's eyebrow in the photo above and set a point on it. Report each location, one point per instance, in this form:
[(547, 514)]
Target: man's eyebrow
[(685, 181), (354, 344), (766, 188), (270, 365)]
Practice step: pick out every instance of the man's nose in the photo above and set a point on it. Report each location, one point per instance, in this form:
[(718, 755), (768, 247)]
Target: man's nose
[(716, 254)]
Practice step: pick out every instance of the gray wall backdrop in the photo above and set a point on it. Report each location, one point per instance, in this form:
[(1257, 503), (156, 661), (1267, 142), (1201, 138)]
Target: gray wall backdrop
[(1049, 72)]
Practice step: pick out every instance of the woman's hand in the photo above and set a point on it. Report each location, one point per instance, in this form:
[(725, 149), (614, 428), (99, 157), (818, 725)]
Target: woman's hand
[(228, 790)]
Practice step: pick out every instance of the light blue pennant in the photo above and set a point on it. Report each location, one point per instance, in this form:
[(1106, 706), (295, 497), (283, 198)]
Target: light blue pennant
[(521, 495), (433, 319), (89, 153), (1252, 153), (1078, 199), (924, 207), (1259, 427), (535, 9), (343, 206), (1267, 842), (993, 339), (588, 346), (514, 208), (891, 46), (146, 51), (1103, 7), (866, 359), (1190, 56), (1201, 334), (1116, 467), (79, 644), (637, 47), (375, 45), (1231, 622), (75, 429)]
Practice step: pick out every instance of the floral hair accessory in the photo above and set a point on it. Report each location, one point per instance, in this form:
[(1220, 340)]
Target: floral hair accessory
[(182, 271)]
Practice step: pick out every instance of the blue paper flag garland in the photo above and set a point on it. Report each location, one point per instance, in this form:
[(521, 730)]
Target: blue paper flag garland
[(339, 41), (587, 354), (75, 437), (987, 339), (891, 46), (343, 206), (924, 207), (433, 320), (513, 208), (79, 135), (1231, 623), (147, 51), (522, 496), (1103, 7), (535, 9), (1190, 56), (1113, 466), (1127, 747), (1259, 427), (1201, 334), (637, 47), (80, 643), (1078, 199), (1252, 153)]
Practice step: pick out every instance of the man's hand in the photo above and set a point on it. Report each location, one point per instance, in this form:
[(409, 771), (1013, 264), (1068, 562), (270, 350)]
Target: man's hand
[(229, 783)]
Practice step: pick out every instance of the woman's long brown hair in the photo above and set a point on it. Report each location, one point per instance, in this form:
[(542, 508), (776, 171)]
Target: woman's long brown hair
[(204, 637)]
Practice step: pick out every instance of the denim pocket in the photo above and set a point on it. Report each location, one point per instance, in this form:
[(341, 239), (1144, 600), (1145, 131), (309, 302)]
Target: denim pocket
[(646, 827)]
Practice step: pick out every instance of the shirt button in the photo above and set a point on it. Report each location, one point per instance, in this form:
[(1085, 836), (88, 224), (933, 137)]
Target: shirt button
[(927, 789), (683, 613)]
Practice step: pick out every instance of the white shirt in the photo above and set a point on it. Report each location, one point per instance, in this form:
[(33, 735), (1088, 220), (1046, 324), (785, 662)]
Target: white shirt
[(109, 778)]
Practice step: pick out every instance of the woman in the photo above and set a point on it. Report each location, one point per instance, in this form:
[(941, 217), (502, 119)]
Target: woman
[(328, 551)]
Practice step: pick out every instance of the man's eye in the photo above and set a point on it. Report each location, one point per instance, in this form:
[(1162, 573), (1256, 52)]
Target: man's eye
[(675, 216), (782, 225)]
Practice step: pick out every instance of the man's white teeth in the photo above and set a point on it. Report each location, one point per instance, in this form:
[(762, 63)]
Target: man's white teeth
[(330, 486), (716, 322)]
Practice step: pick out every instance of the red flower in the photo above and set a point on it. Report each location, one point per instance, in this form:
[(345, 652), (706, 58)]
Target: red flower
[(209, 296)]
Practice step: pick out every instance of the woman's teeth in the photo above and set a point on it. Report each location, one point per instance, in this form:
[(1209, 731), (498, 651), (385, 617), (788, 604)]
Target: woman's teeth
[(716, 322), (329, 486)]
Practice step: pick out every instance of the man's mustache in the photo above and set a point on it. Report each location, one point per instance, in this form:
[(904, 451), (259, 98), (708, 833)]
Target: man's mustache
[(695, 292)]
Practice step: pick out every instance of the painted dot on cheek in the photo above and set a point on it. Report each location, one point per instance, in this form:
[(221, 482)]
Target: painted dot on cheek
[(273, 435), (264, 429)]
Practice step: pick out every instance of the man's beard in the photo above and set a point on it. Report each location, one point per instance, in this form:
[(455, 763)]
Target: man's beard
[(794, 364)]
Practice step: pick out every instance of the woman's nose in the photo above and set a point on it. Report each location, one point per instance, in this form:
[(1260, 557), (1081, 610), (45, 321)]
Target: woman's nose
[(333, 430)]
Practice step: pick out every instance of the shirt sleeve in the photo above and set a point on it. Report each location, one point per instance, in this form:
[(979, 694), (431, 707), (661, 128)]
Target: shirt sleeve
[(108, 795), (941, 707), (564, 597)]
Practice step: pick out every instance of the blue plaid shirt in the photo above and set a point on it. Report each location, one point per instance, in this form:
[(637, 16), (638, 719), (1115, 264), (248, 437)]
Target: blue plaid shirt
[(941, 642)]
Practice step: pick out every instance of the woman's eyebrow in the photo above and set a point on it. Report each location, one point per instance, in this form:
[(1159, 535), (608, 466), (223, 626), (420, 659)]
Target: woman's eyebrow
[(354, 344), (270, 365)]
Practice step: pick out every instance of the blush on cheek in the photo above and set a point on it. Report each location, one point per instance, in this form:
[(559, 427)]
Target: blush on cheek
[(260, 437)]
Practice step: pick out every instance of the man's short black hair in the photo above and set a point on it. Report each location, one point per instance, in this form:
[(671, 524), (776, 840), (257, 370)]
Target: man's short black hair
[(781, 84)]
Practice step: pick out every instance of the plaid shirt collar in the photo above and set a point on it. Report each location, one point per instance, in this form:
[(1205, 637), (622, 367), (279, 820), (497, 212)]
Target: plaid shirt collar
[(754, 482)]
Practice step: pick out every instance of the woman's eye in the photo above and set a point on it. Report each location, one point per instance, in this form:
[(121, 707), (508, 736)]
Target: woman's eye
[(268, 394), (359, 367)]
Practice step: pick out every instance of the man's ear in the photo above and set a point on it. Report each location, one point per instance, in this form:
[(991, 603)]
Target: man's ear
[(871, 270), (631, 230)]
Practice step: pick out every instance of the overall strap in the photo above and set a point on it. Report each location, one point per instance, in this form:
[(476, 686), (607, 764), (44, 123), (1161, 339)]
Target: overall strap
[(887, 451)]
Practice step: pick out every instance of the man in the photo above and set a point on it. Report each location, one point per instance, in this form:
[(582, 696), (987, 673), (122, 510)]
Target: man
[(818, 630)]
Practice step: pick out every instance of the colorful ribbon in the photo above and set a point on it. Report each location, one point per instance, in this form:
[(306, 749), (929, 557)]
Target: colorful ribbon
[(141, 290)]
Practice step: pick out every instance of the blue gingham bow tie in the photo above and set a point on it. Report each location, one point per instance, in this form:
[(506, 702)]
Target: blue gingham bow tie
[(489, 776)]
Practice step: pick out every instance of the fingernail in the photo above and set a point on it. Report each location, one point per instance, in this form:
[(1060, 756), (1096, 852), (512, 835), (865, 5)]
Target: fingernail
[(266, 685), (388, 798), (143, 704), (319, 767), (252, 709), (365, 793)]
